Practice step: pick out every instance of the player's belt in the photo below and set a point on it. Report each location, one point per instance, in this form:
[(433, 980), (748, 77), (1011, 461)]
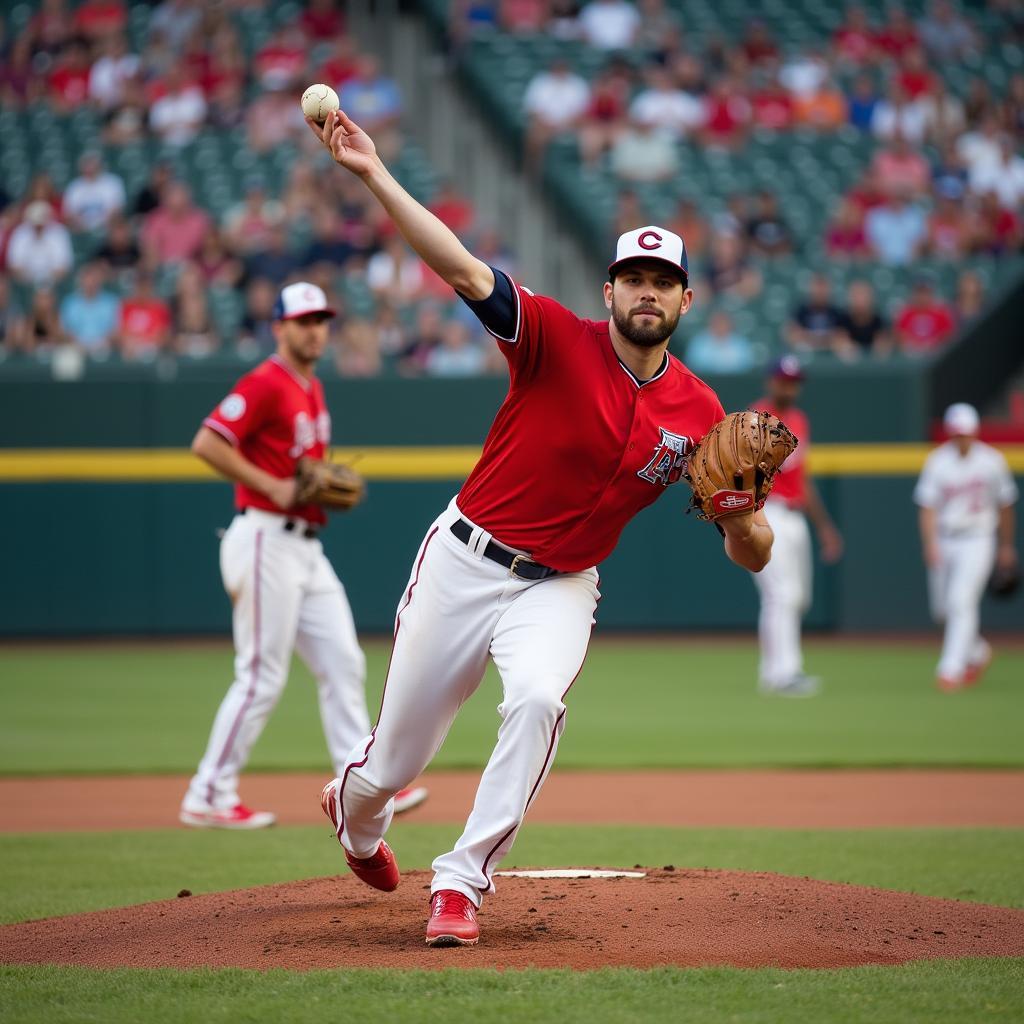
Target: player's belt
[(518, 565), (301, 527)]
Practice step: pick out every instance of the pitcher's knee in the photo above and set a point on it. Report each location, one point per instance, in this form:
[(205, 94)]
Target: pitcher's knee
[(539, 702)]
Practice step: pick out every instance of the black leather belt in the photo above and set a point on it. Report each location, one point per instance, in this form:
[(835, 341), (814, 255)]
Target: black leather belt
[(518, 565), (304, 528)]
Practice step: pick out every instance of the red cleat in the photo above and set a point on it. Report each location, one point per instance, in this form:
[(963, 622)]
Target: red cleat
[(974, 672), (379, 870), (452, 920), (237, 817)]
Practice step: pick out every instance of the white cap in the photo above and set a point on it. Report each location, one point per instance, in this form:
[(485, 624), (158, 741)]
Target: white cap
[(650, 243), (961, 418), (299, 299)]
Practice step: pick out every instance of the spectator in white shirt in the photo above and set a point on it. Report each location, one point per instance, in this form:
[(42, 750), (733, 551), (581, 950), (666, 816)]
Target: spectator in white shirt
[(979, 149), (644, 153), (180, 112), (666, 107), (897, 115), (555, 100), (1004, 176), (609, 24), (39, 251), (112, 73), (94, 196)]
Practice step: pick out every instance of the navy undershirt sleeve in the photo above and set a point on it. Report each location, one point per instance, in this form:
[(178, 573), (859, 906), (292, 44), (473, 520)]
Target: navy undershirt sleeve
[(498, 311)]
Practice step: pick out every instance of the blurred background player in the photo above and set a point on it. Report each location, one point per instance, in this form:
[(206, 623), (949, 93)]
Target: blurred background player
[(284, 592), (784, 584), (965, 497)]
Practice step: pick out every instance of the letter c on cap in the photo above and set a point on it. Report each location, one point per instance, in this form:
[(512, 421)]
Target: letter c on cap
[(644, 244)]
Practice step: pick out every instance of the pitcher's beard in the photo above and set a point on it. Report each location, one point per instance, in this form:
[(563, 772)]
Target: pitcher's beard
[(643, 335)]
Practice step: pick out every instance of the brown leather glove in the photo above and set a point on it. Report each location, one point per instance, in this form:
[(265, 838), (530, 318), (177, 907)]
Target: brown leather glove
[(732, 469), (331, 484)]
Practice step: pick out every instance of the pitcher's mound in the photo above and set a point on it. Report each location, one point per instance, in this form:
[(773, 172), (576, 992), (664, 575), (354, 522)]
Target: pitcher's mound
[(683, 917)]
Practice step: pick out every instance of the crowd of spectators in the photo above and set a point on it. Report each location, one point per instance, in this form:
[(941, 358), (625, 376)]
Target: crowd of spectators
[(153, 262), (944, 180)]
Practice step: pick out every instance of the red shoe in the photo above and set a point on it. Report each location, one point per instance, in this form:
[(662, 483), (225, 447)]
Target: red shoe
[(452, 920), (973, 673), (379, 870), (237, 817), (407, 799)]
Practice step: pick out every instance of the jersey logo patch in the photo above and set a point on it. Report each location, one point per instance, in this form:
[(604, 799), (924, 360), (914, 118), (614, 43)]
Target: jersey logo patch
[(669, 461), (232, 408)]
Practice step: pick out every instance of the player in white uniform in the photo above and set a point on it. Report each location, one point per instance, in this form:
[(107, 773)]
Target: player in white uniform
[(784, 585), (965, 497), (283, 591)]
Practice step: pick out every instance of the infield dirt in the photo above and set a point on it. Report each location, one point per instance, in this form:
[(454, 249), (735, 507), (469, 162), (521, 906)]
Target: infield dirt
[(671, 917)]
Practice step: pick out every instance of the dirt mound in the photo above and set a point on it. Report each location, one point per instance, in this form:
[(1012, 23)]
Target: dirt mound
[(682, 917)]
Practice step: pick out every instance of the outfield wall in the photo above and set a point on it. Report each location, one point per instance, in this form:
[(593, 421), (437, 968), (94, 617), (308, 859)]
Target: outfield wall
[(109, 525), (138, 556)]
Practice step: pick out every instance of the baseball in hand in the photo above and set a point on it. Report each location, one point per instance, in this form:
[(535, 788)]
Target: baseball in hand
[(318, 101)]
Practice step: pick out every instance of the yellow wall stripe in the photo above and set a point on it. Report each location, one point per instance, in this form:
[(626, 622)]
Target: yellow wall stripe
[(45, 465)]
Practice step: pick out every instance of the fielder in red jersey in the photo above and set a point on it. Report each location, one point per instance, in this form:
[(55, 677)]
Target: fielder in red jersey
[(599, 421), (785, 585), (284, 592)]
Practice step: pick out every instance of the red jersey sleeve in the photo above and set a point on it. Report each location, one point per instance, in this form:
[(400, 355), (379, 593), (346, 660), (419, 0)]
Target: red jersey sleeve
[(543, 328), (242, 412)]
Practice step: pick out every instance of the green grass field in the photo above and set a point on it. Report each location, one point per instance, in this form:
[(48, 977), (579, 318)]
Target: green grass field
[(649, 703), (638, 703)]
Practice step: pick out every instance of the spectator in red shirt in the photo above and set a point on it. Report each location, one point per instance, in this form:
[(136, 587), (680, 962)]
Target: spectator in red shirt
[(902, 169), (341, 63), (914, 76), (845, 238), (145, 321), (452, 209), (897, 35), (995, 230), (758, 44), (282, 61), (728, 114), (174, 231), (69, 82), (604, 120), (98, 18), (853, 41), (925, 323), (772, 106), (321, 20)]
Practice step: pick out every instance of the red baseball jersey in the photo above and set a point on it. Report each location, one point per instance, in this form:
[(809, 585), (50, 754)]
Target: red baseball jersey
[(579, 445), (274, 416), (791, 481)]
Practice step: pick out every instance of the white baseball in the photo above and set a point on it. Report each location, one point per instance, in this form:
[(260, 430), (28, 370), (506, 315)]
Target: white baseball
[(318, 101)]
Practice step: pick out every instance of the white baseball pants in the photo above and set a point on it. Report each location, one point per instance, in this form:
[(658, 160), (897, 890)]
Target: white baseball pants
[(955, 589), (458, 609), (285, 595), (784, 585)]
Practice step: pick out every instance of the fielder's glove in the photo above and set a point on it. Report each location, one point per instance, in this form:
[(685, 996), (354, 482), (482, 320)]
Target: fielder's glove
[(331, 484), (732, 470), (1005, 581)]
